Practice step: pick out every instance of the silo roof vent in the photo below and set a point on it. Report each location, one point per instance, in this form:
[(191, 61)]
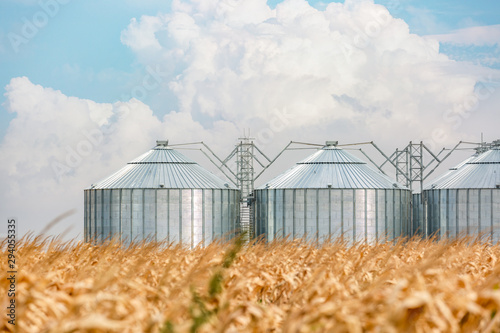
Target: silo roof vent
[(162, 143), (332, 143)]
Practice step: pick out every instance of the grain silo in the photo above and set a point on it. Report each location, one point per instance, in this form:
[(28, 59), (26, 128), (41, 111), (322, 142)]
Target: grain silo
[(332, 193), (466, 201), (161, 195), (419, 227)]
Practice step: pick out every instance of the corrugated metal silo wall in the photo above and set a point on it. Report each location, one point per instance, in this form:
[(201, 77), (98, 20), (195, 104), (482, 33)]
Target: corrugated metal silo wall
[(316, 214), (417, 222), (455, 212), (189, 216)]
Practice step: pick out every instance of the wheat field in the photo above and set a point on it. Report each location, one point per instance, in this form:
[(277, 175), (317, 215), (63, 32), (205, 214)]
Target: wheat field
[(282, 286)]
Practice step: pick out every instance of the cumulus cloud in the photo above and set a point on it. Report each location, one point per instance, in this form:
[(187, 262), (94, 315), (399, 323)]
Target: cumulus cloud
[(351, 65), (58, 145), (349, 72), (140, 36)]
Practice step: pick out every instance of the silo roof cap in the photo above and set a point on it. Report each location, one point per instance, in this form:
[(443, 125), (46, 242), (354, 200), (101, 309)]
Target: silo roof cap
[(161, 143), (331, 143)]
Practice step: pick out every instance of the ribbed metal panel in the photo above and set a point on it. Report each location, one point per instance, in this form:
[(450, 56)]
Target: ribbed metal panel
[(451, 171), (491, 156), (481, 171), (466, 201), (188, 216), (332, 194), (317, 214), (331, 155), (162, 167), (162, 154), (162, 195), (417, 226), (334, 167)]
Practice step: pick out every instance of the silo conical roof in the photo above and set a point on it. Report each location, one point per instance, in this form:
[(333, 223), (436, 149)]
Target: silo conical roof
[(162, 167), (453, 169), (481, 171), (335, 168)]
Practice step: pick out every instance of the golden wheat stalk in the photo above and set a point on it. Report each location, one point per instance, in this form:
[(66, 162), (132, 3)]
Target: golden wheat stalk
[(283, 286)]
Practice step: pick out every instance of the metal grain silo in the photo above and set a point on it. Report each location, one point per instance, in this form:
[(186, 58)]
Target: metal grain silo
[(466, 200), (161, 195), (419, 226), (332, 193)]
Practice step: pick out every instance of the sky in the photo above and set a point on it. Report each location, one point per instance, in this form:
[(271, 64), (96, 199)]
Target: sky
[(89, 85)]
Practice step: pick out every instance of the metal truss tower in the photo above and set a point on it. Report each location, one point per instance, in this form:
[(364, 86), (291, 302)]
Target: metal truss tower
[(410, 165), (245, 176), (401, 160)]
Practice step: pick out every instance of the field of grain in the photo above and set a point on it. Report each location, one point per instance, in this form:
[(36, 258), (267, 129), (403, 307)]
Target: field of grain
[(284, 286)]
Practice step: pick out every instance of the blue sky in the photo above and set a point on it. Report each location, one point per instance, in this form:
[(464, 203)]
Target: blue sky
[(80, 53)]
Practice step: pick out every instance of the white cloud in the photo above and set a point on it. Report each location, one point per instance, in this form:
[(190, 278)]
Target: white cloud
[(141, 35), (479, 35), (58, 145), (239, 60)]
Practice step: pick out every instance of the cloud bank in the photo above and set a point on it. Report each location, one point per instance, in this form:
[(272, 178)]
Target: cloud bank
[(350, 67), (59, 145), (350, 72)]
